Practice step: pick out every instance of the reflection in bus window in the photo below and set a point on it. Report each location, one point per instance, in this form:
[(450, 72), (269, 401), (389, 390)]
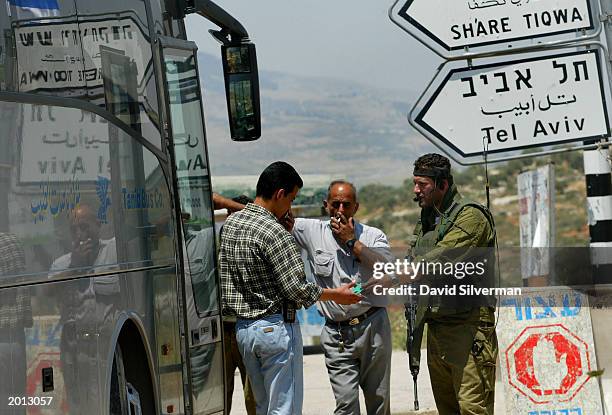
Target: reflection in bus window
[(238, 60), (65, 57), (242, 113), (193, 176), (61, 160)]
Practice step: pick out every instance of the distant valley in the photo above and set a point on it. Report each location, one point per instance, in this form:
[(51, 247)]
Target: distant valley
[(322, 126)]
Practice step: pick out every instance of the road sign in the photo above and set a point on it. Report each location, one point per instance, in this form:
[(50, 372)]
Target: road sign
[(448, 27), (546, 352), (531, 100), (546, 362)]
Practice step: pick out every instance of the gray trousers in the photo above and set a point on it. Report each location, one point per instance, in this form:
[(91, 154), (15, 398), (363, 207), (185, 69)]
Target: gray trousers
[(365, 361)]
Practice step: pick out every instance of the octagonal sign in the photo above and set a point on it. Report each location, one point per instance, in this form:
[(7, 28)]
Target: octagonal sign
[(548, 363)]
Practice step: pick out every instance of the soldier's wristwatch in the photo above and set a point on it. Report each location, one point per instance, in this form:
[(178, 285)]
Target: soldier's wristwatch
[(351, 244)]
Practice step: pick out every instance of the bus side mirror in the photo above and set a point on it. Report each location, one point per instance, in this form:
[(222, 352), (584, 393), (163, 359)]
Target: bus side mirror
[(242, 91), (176, 8)]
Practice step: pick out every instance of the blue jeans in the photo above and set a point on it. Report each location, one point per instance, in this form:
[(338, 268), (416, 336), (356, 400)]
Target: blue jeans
[(272, 353)]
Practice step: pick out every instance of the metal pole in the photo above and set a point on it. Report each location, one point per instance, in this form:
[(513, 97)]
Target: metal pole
[(599, 205), (598, 175)]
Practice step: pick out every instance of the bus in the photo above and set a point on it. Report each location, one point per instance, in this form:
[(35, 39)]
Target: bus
[(109, 294)]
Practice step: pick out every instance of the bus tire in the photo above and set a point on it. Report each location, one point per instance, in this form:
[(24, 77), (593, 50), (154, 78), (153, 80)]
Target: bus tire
[(131, 385), (118, 391)]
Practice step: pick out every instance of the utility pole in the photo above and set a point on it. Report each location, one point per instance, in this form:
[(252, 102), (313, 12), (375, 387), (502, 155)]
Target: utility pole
[(599, 205), (598, 174)]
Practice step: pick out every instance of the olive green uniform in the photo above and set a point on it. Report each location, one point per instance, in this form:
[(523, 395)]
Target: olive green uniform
[(461, 341)]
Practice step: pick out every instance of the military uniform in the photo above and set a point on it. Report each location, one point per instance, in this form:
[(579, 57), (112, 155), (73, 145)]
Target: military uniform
[(461, 339)]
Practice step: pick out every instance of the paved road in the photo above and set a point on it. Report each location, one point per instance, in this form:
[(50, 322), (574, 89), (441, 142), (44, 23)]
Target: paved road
[(319, 399)]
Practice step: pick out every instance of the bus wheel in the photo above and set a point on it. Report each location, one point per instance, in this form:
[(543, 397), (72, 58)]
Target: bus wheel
[(118, 391), (131, 391)]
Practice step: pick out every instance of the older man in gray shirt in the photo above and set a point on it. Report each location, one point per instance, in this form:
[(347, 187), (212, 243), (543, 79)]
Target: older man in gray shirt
[(356, 338)]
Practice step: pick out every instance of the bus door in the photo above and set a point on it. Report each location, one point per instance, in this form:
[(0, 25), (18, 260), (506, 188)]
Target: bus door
[(201, 300)]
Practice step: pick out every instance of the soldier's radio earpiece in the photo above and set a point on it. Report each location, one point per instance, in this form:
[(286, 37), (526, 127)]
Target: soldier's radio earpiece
[(440, 174), (437, 182)]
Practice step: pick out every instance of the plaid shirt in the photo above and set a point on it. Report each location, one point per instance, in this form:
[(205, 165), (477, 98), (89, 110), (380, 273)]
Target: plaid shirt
[(16, 311), (261, 266)]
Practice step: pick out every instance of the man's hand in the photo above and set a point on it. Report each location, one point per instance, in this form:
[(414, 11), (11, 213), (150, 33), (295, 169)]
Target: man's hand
[(342, 228), (288, 221), (84, 253), (341, 295)]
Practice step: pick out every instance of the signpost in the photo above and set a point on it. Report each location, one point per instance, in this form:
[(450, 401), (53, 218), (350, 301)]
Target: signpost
[(452, 28), (534, 75), (540, 100), (536, 191)]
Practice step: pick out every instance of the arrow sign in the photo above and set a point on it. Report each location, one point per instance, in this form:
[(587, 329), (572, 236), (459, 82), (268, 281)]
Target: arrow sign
[(449, 26), (532, 101)]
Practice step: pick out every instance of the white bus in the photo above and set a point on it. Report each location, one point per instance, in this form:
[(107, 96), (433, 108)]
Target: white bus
[(106, 303)]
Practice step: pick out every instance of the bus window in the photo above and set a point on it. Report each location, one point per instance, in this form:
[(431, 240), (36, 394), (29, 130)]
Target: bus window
[(192, 175), (193, 181), (89, 224), (65, 58), (120, 82), (64, 162)]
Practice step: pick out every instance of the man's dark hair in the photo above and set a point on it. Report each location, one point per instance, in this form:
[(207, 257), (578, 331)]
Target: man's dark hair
[(340, 181), (278, 175), (435, 166), (242, 199)]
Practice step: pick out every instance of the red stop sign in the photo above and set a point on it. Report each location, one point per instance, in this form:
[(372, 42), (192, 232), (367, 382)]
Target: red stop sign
[(548, 362)]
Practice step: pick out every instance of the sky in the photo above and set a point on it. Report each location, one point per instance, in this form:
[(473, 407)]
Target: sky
[(346, 39)]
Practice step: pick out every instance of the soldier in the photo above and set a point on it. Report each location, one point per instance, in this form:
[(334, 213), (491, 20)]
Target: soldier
[(461, 339)]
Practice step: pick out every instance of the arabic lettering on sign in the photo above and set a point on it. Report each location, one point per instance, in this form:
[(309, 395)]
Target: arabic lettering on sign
[(55, 198), (81, 140), (522, 81), (519, 103), (103, 193), (61, 143), (530, 106), (483, 4)]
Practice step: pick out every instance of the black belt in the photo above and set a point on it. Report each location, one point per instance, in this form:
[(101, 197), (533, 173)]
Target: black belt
[(353, 321)]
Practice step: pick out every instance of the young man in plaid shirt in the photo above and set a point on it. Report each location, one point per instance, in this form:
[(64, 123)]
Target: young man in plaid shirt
[(263, 283)]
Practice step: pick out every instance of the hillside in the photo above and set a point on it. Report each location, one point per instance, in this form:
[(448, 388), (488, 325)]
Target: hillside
[(322, 126), (343, 129), (392, 209)]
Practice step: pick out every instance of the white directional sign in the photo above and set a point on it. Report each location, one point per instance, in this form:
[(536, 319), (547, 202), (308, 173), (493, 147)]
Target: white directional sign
[(532, 101), (449, 26)]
